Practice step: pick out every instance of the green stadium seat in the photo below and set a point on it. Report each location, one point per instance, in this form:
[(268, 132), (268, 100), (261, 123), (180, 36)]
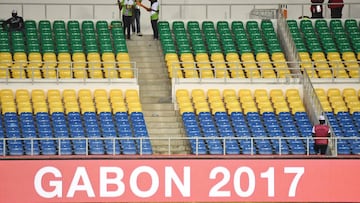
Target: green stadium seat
[(87, 24), (73, 24), (59, 25), (30, 24), (116, 24), (44, 25), (102, 24), (77, 48)]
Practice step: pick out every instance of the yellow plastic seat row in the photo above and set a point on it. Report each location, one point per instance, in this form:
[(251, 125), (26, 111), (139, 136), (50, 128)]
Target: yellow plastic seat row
[(69, 100)]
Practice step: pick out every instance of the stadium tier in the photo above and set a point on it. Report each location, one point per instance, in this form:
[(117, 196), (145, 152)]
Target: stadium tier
[(68, 122), (74, 49), (215, 121)]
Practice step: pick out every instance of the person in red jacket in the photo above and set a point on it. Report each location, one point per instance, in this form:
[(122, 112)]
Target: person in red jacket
[(316, 8), (321, 132), (336, 7)]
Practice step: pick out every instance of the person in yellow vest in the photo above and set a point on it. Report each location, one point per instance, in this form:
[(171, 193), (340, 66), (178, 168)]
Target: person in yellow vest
[(154, 16), (136, 19), (127, 8)]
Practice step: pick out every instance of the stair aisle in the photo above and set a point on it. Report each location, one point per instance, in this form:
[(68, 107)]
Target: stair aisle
[(162, 120)]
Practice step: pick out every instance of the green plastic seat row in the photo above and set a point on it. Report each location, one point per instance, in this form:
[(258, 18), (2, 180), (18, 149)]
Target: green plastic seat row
[(44, 24), (335, 24), (237, 25), (266, 24), (30, 24), (120, 49), (207, 24), (251, 24), (193, 25)]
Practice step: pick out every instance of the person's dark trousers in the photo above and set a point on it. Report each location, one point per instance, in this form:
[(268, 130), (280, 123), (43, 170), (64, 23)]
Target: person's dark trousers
[(127, 20), (336, 12), (316, 15), (154, 25), (320, 149), (136, 21)]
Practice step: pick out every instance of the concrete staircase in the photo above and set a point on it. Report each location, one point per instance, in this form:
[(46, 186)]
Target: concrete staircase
[(162, 121)]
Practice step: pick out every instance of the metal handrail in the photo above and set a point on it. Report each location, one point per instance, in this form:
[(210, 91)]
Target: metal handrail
[(54, 66), (307, 141)]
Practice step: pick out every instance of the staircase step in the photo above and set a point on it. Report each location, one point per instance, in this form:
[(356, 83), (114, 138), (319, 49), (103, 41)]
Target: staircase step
[(150, 67), (152, 100), (156, 88), (160, 81), (159, 93), (161, 119), (158, 107), (163, 125), (158, 113), (164, 132), (167, 119), (152, 76)]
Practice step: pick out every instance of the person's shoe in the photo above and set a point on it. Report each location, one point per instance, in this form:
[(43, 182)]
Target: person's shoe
[(156, 39), (139, 34)]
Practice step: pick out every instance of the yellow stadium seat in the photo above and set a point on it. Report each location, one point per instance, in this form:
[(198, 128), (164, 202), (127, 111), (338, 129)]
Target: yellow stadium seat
[(100, 93), (50, 60), (5, 59), (182, 93), (197, 93), (20, 58), (116, 92), (333, 92), (35, 59), (229, 92)]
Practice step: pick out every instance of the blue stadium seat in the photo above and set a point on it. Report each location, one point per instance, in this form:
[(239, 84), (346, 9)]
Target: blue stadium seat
[(108, 131), (285, 116), (188, 116), (221, 116), (343, 149), (121, 116), (237, 116), (65, 147), (193, 131), (90, 117), (124, 130), (205, 116), (198, 146), (246, 149), (136, 116), (112, 146), (144, 146), (232, 146), (48, 147), (214, 146), (128, 147), (96, 146), (140, 129), (79, 146), (32, 147), (15, 148)]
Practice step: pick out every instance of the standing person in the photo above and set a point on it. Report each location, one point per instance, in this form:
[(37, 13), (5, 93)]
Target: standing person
[(154, 16), (316, 8), (336, 7), (136, 20), (127, 9), (321, 132), (15, 23)]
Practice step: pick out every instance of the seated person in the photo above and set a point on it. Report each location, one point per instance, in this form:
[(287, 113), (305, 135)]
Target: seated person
[(15, 23)]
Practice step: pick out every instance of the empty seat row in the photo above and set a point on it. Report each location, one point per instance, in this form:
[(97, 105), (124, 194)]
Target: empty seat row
[(72, 122), (65, 65), (211, 52)]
